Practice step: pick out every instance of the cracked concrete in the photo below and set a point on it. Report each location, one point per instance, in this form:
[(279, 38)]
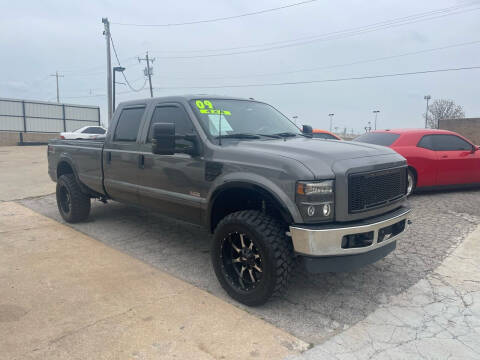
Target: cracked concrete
[(437, 318), (316, 307)]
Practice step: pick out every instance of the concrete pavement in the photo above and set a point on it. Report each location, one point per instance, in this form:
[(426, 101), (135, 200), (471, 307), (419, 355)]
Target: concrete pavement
[(437, 318), (23, 172), (315, 307), (66, 295)]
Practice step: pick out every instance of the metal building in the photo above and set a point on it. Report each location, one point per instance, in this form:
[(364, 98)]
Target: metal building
[(45, 117)]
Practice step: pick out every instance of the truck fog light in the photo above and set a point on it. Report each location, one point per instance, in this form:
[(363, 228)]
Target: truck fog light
[(326, 209), (311, 210)]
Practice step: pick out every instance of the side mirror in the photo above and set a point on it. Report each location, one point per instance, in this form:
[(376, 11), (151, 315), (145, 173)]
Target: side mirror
[(163, 139), (193, 149), (307, 129), (475, 148)]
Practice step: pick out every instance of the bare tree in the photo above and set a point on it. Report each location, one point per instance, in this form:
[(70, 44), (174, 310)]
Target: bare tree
[(442, 109)]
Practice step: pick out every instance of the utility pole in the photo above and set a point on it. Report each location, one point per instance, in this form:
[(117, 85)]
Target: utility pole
[(376, 113), (426, 97), (57, 75), (148, 71), (106, 32), (331, 119)]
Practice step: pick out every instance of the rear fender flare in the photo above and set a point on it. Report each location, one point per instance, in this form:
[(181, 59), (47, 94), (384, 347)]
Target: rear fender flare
[(65, 158)]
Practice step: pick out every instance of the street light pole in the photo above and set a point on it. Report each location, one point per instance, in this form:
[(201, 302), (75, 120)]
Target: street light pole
[(368, 128), (376, 113), (426, 97), (331, 120), (115, 69)]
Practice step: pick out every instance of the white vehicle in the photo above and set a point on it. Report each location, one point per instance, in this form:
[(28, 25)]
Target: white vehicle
[(86, 132)]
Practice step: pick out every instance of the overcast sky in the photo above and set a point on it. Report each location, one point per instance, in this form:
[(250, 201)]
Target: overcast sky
[(39, 37)]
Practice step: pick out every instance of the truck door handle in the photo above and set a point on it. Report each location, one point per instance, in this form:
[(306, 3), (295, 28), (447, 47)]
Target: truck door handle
[(109, 157), (141, 161), (444, 156)]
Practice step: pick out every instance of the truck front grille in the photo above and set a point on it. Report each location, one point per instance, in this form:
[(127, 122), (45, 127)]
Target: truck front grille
[(377, 188)]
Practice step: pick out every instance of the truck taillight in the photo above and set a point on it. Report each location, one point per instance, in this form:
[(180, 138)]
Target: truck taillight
[(62, 137)]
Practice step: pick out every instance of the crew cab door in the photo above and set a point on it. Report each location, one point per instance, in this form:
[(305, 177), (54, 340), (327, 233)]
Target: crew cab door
[(172, 184), (120, 156), (456, 163)]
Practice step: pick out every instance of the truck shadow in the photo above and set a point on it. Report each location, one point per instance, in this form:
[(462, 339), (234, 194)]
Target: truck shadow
[(315, 305)]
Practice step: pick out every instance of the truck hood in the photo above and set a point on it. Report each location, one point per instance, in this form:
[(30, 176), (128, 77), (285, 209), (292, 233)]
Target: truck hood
[(318, 155)]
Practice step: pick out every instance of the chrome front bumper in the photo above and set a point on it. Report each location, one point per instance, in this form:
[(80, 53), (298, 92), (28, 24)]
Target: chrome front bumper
[(326, 240)]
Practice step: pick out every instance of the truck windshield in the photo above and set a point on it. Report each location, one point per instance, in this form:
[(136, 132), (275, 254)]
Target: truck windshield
[(242, 119)]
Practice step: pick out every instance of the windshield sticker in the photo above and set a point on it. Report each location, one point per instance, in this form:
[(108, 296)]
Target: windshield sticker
[(214, 124), (206, 107)]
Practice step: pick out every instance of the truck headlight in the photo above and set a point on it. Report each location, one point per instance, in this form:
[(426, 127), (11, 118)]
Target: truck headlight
[(315, 200)]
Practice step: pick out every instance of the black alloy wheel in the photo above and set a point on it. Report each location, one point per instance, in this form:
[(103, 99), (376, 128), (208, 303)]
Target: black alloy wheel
[(73, 204), (241, 261), (252, 256), (65, 202)]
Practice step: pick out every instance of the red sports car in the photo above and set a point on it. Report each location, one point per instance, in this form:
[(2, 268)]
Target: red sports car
[(435, 157)]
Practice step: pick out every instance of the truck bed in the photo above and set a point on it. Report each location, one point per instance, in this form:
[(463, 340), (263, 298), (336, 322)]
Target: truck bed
[(84, 156)]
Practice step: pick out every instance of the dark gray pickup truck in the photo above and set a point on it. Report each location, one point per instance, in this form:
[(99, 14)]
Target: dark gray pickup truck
[(272, 195)]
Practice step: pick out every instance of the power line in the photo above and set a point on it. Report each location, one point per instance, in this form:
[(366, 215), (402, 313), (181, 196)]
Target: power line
[(124, 76), (101, 95), (98, 95), (416, 16), (376, 59), (323, 80), (339, 65), (220, 18), (96, 73), (84, 96), (322, 37), (365, 77), (305, 40), (94, 70)]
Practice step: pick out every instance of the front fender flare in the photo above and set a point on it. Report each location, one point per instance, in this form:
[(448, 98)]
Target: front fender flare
[(249, 180)]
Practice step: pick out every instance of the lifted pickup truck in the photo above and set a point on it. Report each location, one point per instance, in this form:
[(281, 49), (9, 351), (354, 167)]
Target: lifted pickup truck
[(272, 195)]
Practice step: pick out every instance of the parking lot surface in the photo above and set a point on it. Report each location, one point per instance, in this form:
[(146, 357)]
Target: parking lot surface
[(437, 318), (316, 307)]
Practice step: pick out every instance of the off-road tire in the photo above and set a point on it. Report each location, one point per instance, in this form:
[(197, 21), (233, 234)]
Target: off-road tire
[(79, 203), (276, 248)]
